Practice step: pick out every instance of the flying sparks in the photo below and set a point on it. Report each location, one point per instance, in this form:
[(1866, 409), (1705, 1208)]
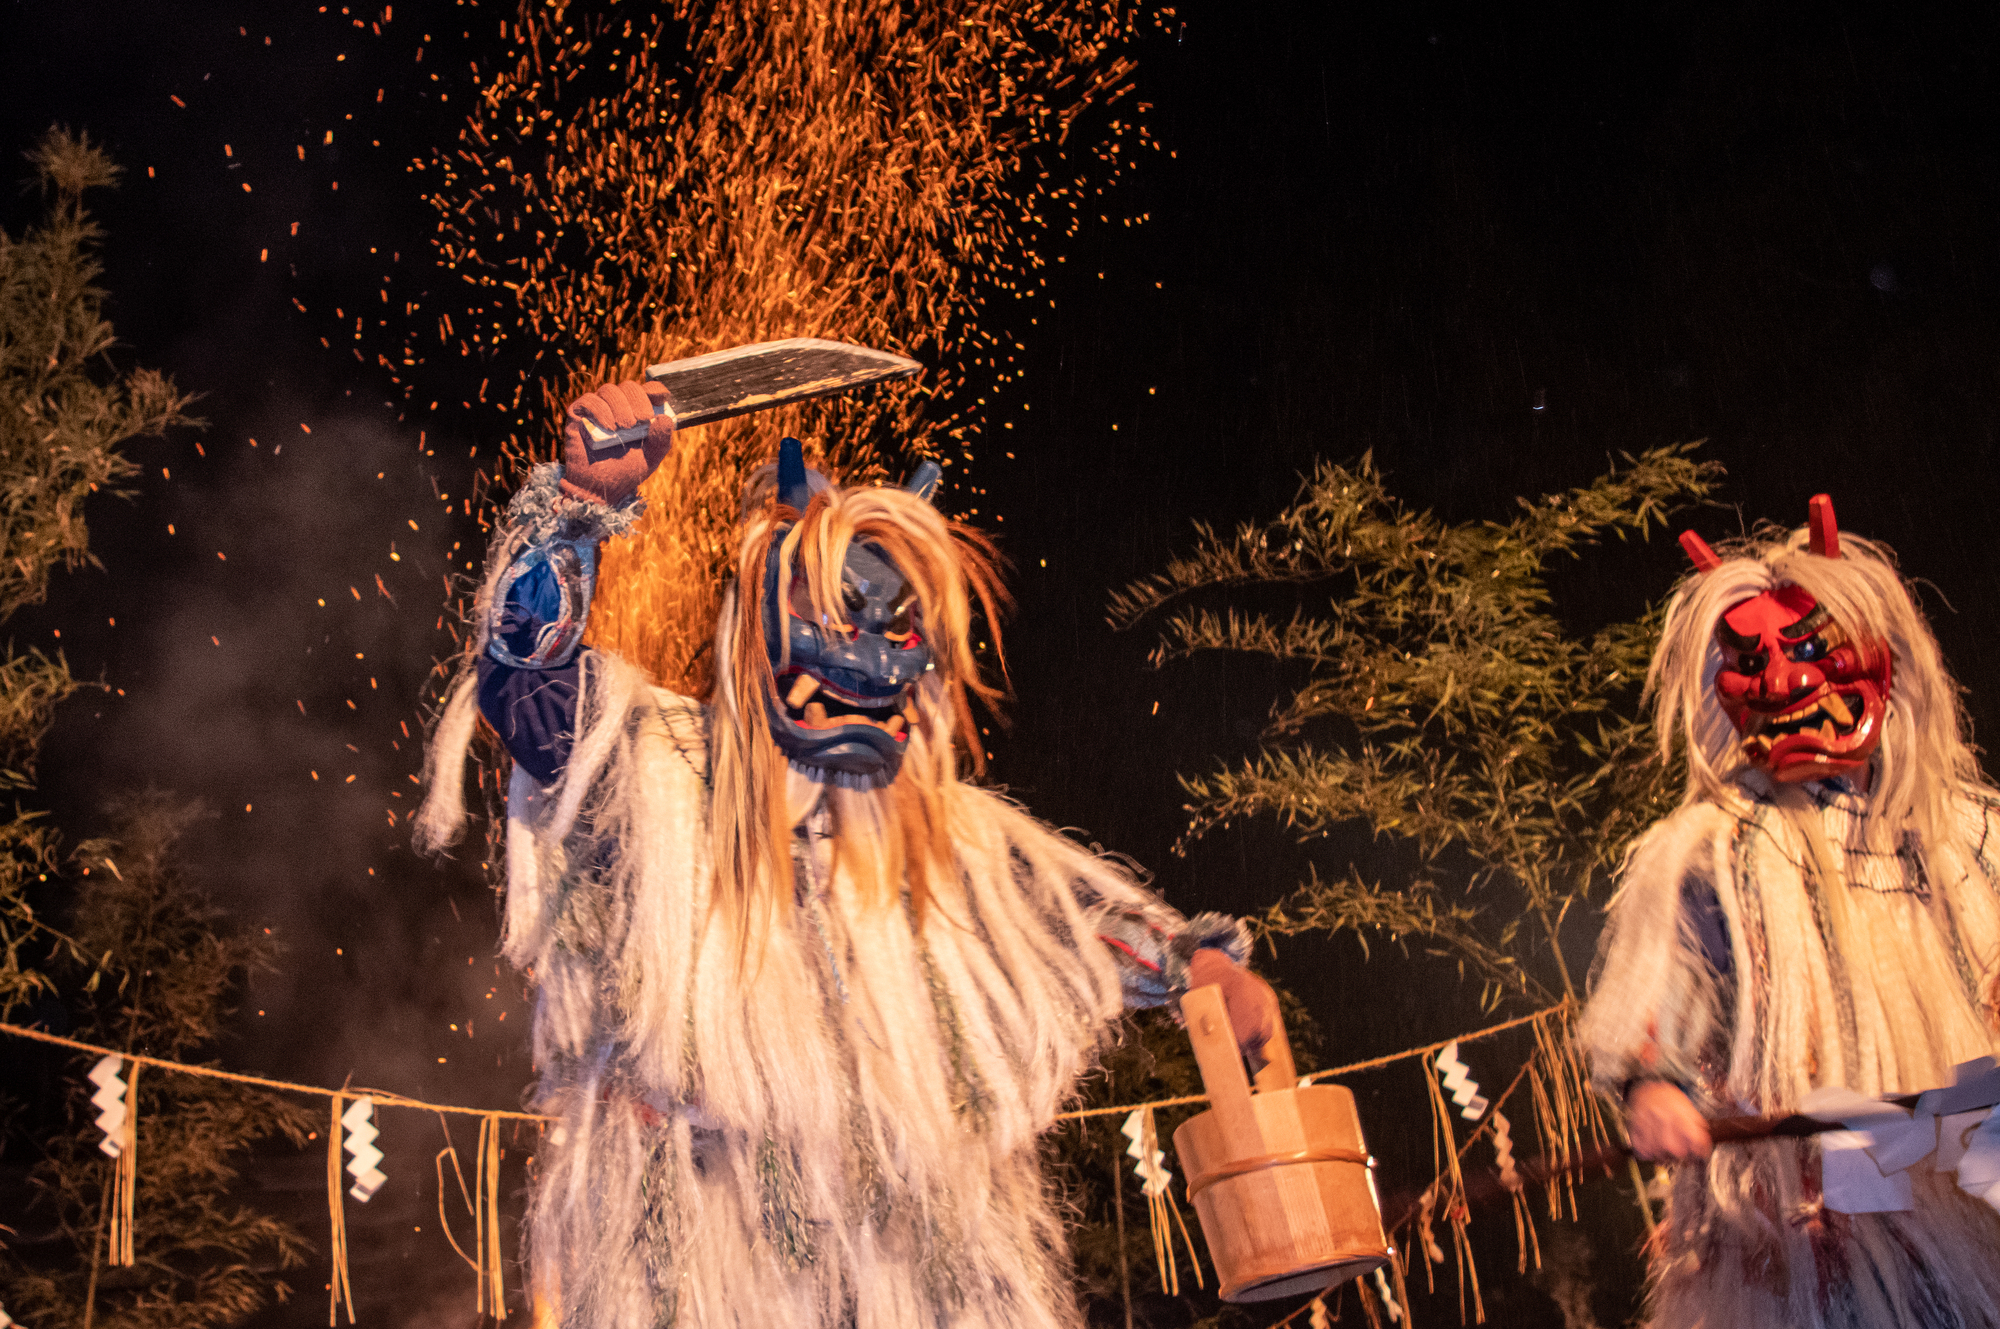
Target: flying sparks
[(871, 173)]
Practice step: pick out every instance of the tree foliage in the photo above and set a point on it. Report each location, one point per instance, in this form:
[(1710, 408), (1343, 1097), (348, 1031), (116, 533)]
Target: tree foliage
[(169, 967), (1444, 705), (65, 413)]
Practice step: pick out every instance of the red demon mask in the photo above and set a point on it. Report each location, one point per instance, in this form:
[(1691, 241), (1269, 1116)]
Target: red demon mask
[(1807, 697), (1808, 700)]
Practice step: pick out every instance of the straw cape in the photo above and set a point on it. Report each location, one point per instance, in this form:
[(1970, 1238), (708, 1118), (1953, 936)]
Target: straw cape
[(1858, 939), (805, 1089)]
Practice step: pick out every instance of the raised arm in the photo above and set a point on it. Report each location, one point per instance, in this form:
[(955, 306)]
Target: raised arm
[(541, 605)]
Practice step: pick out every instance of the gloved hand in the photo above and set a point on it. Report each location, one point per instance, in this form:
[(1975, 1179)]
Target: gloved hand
[(1664, 1123), (1253, 1007), (611, 472)]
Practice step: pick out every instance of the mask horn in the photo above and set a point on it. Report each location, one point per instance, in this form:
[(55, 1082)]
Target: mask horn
[(1699, 553), (1824, 532), (923, 481), (793, 491)]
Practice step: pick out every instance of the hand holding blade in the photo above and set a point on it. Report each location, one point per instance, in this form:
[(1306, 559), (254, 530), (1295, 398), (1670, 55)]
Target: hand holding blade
[(613, 438), (756, 378)]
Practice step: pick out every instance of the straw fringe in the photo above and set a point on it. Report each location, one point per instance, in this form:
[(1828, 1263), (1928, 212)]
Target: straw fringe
[(843, 1128), (125, 1177), (340, 1291), (1552, 1072)]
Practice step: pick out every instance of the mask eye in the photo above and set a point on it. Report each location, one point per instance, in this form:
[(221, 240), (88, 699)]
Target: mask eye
[(1751, 663), (1804, 652), (853, 599), (902, 628)]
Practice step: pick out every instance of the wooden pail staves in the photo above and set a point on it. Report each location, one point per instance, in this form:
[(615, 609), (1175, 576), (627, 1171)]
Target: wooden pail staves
[(1280, 1178)]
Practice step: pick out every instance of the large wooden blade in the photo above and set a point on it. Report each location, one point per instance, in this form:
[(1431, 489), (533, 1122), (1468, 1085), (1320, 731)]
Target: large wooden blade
[(743, 379), (771, 373)]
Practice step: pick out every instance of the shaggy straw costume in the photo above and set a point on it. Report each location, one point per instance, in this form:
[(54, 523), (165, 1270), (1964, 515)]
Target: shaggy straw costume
[(1855, 933), (802, 1036)]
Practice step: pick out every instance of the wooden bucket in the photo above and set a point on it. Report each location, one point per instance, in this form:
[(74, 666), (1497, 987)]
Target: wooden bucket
[(1280, 1179)]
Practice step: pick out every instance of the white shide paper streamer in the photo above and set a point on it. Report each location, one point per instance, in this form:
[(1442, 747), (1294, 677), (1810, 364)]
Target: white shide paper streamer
[(359, 1122), (109, 1100)]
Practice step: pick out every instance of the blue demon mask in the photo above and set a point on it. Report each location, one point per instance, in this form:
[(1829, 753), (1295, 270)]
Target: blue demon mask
[(843, 691)]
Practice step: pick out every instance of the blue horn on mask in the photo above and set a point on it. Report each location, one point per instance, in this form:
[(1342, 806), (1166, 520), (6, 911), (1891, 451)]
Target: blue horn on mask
[(923, 482), (793, 491)]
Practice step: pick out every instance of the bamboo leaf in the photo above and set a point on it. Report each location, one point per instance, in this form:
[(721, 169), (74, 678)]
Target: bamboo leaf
[(1490, 734)]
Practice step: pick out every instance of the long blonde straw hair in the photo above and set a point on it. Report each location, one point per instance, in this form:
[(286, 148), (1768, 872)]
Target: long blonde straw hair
[(892, 839), (1924, 761)]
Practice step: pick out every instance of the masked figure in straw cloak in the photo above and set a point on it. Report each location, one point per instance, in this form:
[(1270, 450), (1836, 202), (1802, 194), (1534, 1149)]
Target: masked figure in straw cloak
[(1821, 911), (807, 997)]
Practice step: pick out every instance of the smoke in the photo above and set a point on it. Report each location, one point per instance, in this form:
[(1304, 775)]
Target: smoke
[(1565, 1274), (271, 656)]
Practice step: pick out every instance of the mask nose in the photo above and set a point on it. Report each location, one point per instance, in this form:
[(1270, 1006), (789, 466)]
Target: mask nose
[(871, 617), (873, 657), (1786, 681)]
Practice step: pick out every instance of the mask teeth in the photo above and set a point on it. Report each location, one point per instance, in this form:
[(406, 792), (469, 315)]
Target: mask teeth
[(863, 783)]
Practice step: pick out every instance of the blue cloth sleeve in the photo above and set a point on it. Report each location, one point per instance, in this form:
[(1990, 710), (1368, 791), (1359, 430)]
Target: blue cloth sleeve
[(529, 670), (532, 709), (1703, 912)]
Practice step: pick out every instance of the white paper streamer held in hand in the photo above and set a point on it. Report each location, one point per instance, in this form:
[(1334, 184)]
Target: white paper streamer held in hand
[(359, 1122), (1979, 1166), (1463, 1089), (109, 1100), (1865, 1168)]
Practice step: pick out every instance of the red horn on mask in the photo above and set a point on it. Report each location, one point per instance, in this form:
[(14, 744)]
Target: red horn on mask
[(1699, 553), (1823, 531)]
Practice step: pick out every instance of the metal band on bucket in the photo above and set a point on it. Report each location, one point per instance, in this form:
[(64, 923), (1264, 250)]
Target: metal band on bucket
[(1242, 1166)]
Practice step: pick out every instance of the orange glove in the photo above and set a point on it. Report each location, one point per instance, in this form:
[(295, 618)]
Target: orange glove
[(609, 472), (1253, 1007)]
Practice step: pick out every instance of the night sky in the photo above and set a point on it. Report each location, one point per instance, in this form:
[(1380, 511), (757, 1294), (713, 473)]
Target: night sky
[(1495, 247)]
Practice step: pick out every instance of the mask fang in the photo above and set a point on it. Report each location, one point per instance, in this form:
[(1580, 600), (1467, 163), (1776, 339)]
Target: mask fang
[(1824, 531), (1699, 553)]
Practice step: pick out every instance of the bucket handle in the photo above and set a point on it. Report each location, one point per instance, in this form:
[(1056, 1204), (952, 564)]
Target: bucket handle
[(1222, 1073), (1278, 1070)]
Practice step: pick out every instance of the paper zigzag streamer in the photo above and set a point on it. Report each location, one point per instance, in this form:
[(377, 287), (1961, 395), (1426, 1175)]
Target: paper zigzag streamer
[(360, 1124), (1161, 1212), (1318, 1319), (1463, 1089), (109, 1100), (1503, 1151), (1388, 1298), (1151, 1171)]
